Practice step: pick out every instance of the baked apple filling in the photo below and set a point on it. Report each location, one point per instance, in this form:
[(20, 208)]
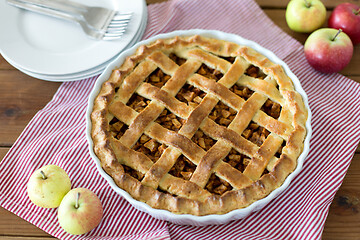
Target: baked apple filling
[(117, 128), (204, 141), (178, 60), (183, 168), (255, 72), (150, 147), (217, 185), (135, 174), (242, 91), (208, 72), (137, 102), (255, 133), (190, 95), (229, 59), (222, 114), (170, 121), (237, 160), (157, 78), (271, 108), (279, 151)]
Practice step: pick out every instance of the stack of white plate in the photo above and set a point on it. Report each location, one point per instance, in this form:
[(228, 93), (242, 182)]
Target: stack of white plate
[(56, 50)]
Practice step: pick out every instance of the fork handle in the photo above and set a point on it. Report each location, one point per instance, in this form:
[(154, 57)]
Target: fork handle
[(68, 7), (44, 10)]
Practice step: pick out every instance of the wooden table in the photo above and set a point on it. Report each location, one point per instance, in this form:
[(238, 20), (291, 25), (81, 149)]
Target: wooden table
[(22, 96)]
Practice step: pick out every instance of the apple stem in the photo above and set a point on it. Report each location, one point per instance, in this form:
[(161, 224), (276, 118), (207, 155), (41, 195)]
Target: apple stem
[(77, 200), (340, 30), (43, 174), (357, 12), (307, 4)]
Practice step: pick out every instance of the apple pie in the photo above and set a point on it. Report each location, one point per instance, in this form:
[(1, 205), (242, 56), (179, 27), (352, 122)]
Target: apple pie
[(196, 125)]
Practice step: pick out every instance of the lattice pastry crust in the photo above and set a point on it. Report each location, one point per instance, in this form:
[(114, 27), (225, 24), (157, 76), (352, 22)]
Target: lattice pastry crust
[(198, 126)]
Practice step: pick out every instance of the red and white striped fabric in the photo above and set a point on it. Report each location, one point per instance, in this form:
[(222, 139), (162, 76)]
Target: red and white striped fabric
[(56, 135)]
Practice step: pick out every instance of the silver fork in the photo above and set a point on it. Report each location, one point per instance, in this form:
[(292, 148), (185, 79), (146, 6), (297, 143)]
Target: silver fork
[(96, 22)]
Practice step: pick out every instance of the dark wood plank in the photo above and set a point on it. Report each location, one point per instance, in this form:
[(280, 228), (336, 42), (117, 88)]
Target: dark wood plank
[(329, 4), (344, 212), (12, 225), (3, 151), (4, 64), (343, 221), (278, 17), (25, 238), (355, 78), (154, 1), (21, 97), (353, 67)]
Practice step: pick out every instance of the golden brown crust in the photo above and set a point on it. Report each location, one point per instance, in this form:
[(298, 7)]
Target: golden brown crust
[(157, 187)]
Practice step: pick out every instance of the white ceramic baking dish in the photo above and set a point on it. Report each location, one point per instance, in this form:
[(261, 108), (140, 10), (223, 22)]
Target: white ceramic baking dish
[(186, 219)]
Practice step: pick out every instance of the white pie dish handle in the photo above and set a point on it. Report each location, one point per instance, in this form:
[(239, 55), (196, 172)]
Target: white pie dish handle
[(187, 219)]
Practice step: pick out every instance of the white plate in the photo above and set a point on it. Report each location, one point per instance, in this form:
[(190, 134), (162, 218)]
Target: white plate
[(187, 218), (66, 78), (46, 45), (84, 74)]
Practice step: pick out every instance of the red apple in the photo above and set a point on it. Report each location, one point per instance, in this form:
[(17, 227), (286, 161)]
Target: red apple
[(80, 211), (346, 16), (328, 50)]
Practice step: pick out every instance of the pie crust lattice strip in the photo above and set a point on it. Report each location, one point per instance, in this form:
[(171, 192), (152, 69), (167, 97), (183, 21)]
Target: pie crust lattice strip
[(199, 126)]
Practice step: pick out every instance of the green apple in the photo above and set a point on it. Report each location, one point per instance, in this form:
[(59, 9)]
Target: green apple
[(48, 185), (305, 15), (80, 211)]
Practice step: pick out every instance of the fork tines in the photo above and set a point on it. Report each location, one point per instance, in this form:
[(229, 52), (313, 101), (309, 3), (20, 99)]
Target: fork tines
[(117, 26)]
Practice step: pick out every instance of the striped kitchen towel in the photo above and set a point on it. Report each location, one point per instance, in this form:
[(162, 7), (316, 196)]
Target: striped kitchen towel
[(56, 135)]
